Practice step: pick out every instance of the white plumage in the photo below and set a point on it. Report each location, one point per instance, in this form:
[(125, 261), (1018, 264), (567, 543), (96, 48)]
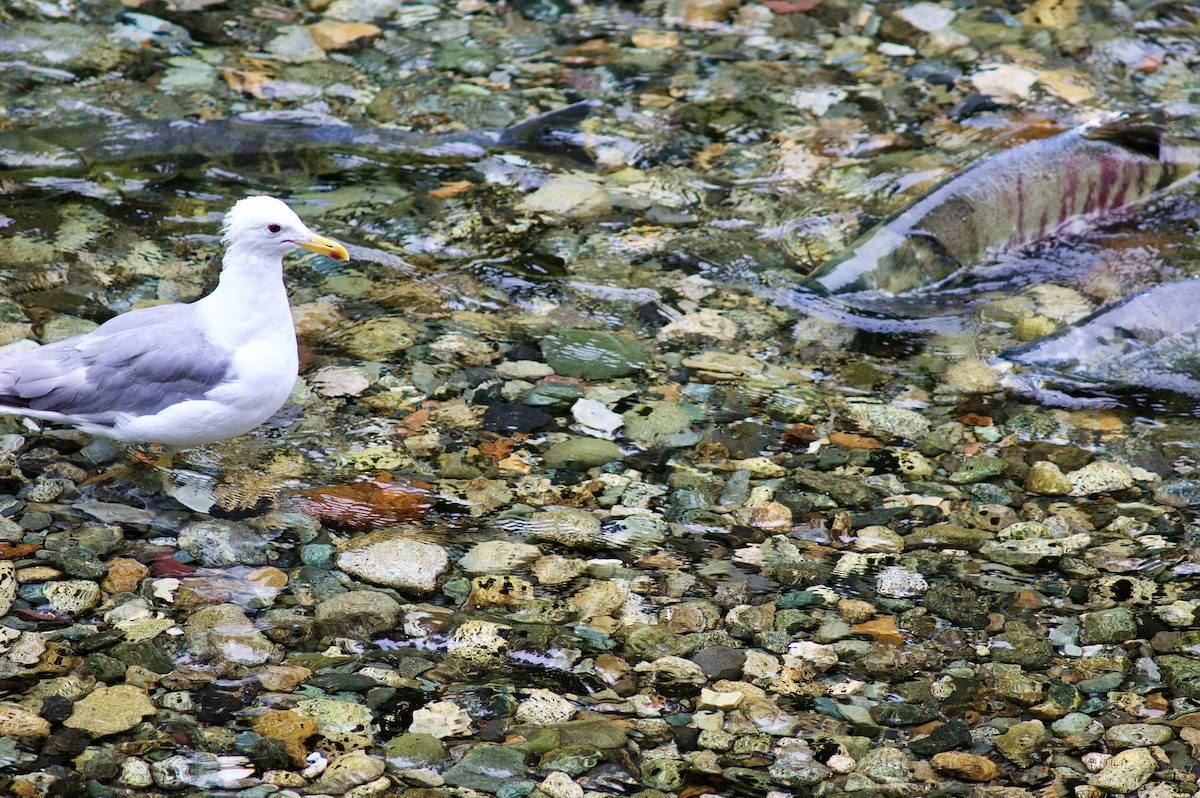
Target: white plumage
[(181, 374)]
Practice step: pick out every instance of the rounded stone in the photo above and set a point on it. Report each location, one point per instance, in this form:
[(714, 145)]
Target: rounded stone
[(498, 557), (223, 632), (968, 767), (567, 196), (580, 454), (72, 596), (394, 559), (592, 354), (358, 613), (1047, 479)]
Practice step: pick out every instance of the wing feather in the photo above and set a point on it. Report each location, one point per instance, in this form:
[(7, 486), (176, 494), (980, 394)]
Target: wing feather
[(136, 364)]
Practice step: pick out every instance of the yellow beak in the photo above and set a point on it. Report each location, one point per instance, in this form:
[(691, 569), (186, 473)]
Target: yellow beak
[(325, 246)]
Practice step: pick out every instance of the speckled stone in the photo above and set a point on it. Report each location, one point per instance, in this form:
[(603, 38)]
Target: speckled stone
[(110, 710), (1024, 742), (1126, 771), (1100, 477), (21, 724), (72, 596)]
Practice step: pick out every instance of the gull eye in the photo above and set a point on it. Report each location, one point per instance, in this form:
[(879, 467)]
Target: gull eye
[(273, 228)]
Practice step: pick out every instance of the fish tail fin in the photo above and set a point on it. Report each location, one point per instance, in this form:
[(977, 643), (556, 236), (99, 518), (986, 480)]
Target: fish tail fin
[(528, 131), (1139, 134)]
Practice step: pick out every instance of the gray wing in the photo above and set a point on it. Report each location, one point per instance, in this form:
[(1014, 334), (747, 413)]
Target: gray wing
[(138, 363)]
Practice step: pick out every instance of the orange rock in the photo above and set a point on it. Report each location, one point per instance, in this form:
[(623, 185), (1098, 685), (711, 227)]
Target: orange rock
[(969, 767), (333, 35), (882, 629), (267, 576), (124, 575), (452, 189), (15, 551), (290, 728), (374, 504), (852, 440), (282, 678)]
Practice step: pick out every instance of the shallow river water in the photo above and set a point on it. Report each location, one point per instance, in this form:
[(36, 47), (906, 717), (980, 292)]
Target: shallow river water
[(569, 499)]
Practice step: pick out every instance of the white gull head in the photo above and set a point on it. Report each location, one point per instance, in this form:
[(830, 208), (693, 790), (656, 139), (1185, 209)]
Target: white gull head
[(267, 228)]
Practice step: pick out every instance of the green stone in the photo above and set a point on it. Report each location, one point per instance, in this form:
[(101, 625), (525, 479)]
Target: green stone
[(1108, 626), (947, 536), (414, 750), (592, 354), (977, 469), (1020, 645), (144, 654), (663, 424), (600, 733), (667, 775), (571, 759), (580, 454), (487, 767), (899, 713)]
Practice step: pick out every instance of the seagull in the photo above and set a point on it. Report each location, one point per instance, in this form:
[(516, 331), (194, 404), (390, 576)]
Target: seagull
[(181, 375)]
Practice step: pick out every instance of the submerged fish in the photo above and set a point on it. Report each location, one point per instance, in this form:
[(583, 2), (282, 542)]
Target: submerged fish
[(1144, 349), (1012, 199), (130, 142)]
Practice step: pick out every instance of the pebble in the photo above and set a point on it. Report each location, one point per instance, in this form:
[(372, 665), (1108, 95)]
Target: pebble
[(498, 557), (110, 710), (394, 559), (567, 197), (1100, 477), (541, 707), (441, 719), (224, 632), (969, 767), (19, 723), (72, 596), (1126, 771), (337, 381), (334, 35), (358, 613), (295, 45), (897, 581)]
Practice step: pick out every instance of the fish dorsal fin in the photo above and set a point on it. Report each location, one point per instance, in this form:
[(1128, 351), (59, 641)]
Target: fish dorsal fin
[(1138, 134)]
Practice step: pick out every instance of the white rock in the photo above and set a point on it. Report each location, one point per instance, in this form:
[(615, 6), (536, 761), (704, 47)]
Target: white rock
[(295, 45), (334, 381), (498, 557), (560, 785), (1005, 82), (441, 719), (391, 559), (927, 17), (595, 419), (567, 196), (544, 706)]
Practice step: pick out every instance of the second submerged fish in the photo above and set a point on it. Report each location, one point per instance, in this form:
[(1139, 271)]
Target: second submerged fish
[(1012, 199)]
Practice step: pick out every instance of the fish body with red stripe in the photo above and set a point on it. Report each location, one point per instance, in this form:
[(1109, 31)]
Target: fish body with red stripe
[(1025, 194)]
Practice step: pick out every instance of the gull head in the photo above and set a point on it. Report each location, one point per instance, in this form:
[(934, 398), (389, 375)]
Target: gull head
[(267, 227)]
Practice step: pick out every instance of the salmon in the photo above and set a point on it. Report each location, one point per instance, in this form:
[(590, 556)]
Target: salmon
[(1010, 200), (74, 149), (1142, 350)]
